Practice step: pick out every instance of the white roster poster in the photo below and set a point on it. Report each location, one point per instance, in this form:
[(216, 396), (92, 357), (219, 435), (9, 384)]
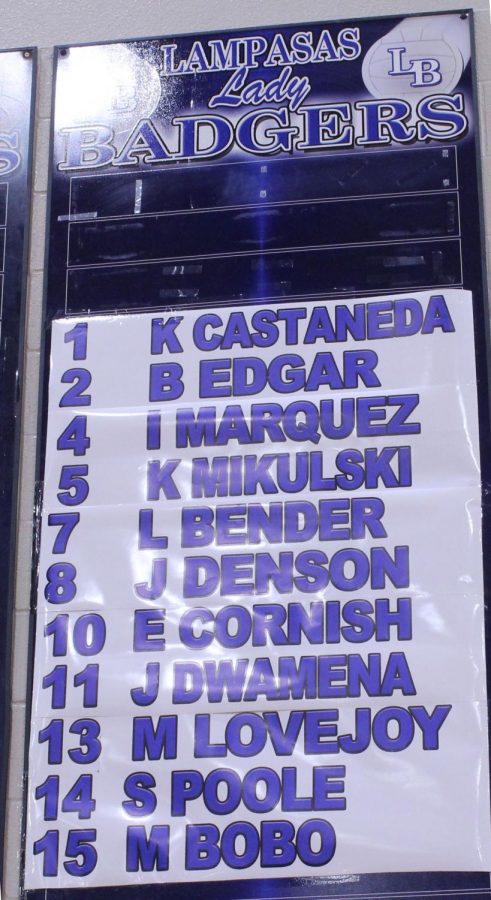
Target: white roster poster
[(260, 624)]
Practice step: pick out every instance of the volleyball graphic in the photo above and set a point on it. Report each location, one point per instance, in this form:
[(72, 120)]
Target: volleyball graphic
[(107, 82), (420, 56), (13, 107)]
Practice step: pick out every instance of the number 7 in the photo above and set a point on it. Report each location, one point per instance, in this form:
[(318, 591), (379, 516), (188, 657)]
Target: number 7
[(68, 522)]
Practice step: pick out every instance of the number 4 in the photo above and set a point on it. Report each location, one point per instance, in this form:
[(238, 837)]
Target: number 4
[(74, 437)]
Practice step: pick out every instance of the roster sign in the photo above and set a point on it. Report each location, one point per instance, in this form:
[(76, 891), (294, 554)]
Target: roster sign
[(16, 94), (260, 640)]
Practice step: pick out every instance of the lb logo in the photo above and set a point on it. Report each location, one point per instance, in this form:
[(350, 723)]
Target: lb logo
[(423, 72), (420, 56)]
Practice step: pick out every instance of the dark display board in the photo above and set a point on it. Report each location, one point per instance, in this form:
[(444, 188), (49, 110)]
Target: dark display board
[(259, 654), (17, 72)]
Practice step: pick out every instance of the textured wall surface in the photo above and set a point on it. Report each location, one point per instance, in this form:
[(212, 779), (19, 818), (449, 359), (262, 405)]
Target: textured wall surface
[(44, 23)]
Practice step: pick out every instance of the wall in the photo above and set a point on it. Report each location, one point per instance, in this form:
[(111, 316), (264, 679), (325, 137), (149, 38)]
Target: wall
[(44, 23)]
